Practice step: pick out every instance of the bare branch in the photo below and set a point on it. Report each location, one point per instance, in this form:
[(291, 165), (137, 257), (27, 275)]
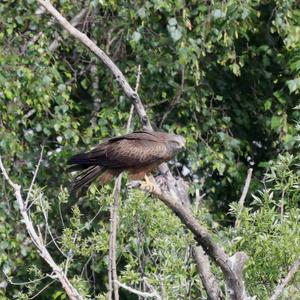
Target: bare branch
[(41, 290), (112, 272), (43, 252), (280, 287), (34, 176), (114, 211), (246, 187), (244, 194), (210, 283)]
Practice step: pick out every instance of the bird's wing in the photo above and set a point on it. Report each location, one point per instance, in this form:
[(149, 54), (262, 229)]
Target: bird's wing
[(129, 153), (142, 136)]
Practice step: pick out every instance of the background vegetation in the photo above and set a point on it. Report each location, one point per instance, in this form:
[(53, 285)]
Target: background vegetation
[(223, 74)]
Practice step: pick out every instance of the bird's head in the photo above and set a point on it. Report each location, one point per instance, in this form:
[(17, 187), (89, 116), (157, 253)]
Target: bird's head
[(177, 142)]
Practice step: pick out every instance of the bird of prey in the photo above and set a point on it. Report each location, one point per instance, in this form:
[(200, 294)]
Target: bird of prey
[(138, 153)]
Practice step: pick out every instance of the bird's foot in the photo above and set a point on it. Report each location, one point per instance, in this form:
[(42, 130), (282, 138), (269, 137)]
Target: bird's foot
[(147, 185)]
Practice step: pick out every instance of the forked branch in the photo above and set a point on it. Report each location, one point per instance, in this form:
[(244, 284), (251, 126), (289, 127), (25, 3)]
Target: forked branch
[(231, 267)]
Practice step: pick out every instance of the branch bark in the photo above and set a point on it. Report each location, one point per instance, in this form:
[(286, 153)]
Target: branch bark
[(210, 283), (38, 242)]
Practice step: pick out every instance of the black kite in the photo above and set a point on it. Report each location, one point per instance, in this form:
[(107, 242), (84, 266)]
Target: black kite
[(138, 153)]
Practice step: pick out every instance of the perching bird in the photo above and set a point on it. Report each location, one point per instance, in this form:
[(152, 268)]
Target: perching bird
[(138, 153)]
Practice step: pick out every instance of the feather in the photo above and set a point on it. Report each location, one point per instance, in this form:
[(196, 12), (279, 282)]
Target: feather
[(85, 178)]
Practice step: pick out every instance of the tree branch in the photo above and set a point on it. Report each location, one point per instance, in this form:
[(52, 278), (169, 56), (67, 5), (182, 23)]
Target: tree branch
[(210, 283), (130, 93), (280, 287), (139, 293), (113, 277), (231, 266), (37, 241), (173, 185), (244, 194), (114, 211)]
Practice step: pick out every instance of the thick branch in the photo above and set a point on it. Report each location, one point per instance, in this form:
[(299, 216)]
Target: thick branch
[(37, 241), (279, 289), (231, 266)]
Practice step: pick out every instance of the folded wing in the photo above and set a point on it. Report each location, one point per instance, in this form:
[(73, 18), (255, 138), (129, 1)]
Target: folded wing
[(130, 151)]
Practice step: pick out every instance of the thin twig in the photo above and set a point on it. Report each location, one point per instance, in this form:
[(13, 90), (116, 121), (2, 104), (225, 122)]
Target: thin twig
[(175, 100), (151, 288), (26, 282), (43, 252), (139, 293), (34, 176), (244, 194), (41, 290), (280, 287)]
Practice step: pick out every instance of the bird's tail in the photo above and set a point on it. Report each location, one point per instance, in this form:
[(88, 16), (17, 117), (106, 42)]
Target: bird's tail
[(83, 180)]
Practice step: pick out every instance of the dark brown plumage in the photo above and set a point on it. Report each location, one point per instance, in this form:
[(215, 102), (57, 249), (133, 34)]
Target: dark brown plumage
[(138, 153)]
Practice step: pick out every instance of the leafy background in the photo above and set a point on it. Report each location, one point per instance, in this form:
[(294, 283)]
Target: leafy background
[(223, 74)]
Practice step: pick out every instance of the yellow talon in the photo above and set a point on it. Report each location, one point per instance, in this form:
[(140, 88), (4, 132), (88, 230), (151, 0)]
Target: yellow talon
[(148, 185)]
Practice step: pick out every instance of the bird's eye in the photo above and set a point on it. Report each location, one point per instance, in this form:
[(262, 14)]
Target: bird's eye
[(176, 144)]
